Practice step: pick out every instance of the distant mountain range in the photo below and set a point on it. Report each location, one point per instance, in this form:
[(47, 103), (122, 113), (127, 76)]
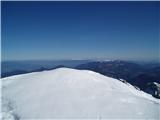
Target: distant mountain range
[(17, 72), (135, 74)]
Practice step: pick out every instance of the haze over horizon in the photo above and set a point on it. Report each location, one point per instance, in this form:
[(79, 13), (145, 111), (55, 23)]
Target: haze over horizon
[(80, 30)]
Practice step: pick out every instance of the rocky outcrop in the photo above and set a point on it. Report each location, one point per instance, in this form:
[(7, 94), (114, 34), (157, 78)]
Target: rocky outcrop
[(153, 89)]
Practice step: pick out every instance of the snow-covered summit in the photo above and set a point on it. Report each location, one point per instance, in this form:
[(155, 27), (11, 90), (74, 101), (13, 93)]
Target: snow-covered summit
[(69, 93)]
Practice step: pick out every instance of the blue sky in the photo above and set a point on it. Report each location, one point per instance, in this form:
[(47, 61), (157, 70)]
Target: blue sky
[(80, 30)]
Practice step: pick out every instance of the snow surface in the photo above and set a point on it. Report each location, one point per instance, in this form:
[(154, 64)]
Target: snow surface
[(74, 94)]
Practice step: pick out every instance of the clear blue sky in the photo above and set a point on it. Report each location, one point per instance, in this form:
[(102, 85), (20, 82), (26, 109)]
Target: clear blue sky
[(80, 30)]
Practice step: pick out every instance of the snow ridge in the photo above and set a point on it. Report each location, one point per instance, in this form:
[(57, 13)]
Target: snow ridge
[(75, 94)]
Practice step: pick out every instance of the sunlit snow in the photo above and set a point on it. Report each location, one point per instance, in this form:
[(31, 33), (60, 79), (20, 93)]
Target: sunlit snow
[(70, 94)]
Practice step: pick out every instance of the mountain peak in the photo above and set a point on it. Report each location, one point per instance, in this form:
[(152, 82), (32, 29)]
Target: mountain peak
[(69, 93)]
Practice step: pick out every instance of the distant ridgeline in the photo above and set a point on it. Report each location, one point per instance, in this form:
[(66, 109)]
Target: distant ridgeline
[(17, 72), (10, 68), (144, 76)]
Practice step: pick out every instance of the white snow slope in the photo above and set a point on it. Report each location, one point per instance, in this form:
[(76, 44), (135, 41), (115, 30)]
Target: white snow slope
[(74, 94)]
